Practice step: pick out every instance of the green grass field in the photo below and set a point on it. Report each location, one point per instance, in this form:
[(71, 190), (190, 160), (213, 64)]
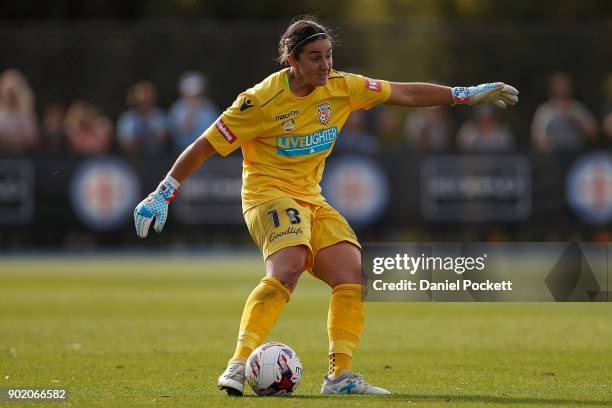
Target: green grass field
[(132, 331)]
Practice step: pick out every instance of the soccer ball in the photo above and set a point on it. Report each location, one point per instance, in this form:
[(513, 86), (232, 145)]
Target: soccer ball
[(273, 369)]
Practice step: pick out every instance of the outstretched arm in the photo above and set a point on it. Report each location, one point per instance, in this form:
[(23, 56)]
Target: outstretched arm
[(419, 94), (238, 124), (423, 94), (155, 206)]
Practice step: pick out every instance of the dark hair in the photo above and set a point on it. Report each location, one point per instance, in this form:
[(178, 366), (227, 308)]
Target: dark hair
[(301, 31)]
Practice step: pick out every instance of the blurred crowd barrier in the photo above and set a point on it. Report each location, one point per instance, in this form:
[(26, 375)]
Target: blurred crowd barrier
[(71, 201)]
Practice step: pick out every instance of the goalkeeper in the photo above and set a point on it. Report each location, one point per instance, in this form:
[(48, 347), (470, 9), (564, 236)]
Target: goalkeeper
[(286, 126)]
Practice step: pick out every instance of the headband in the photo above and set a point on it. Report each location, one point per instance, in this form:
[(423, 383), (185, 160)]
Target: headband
[(305, 39)]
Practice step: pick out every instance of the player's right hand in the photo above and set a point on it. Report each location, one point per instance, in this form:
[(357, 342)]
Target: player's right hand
[(155, 206)]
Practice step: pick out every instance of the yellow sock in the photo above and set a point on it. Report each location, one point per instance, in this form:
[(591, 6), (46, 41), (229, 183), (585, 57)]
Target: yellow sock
[(262, 308), (338, 363), (344, 326)]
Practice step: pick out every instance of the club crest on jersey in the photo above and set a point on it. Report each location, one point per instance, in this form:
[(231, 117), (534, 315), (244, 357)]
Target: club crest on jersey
[(324, 111), (288, 125)]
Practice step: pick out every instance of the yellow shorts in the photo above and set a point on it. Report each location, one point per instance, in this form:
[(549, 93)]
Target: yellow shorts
[(286, 222)]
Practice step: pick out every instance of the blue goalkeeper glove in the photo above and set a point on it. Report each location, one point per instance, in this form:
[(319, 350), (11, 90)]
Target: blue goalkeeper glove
[(496, 93), (155, 206)]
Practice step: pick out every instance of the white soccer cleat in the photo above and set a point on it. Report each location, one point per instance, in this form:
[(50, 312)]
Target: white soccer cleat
[(349, 383), (232, 380)]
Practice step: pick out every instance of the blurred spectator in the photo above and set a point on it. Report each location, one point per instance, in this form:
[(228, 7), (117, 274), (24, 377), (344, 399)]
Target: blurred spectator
[(143, 128), (52, 127), (18, 128), (89, 132), (387, 129), (193, 112), (606, 110), (485, 133), (562, 123), (355, 137), (429, 129)]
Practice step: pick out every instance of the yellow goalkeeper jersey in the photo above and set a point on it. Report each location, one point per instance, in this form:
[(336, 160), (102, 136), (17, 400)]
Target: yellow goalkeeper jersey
[(285, 138)]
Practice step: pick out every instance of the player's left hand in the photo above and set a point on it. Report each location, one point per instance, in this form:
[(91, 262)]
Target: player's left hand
[(496, 93)]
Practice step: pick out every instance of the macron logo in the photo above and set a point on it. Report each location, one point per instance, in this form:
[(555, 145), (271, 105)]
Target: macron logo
[(225, 131)]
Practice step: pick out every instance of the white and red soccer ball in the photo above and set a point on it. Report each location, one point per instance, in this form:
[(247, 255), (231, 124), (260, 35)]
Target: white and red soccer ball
[(273, 369)]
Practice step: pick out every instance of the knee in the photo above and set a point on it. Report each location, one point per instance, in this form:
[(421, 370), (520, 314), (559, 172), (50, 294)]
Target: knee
[(291, 273), (288, 274), (338, 264), (287, 267), (348, 275)]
